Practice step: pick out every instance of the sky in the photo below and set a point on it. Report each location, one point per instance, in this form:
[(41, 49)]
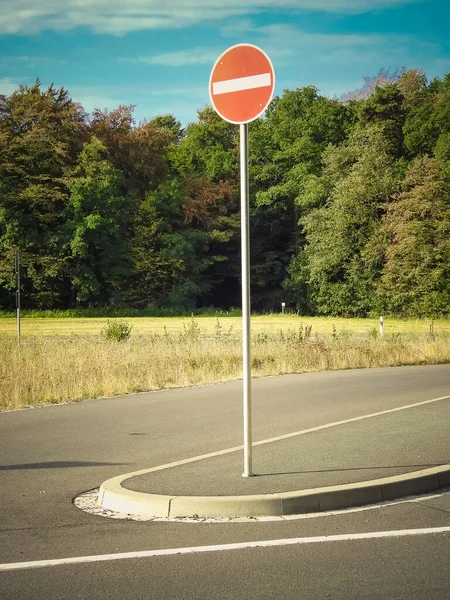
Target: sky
[(158, 54)]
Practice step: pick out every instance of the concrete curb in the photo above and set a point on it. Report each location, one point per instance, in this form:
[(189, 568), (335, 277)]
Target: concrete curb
[(112, 496)]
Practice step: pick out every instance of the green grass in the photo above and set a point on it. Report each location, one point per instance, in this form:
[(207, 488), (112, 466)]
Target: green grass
[(83, 313), (70, 326)]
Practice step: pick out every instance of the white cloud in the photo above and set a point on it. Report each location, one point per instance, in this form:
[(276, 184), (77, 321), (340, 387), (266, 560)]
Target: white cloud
[(336, 63), (96, 97), (288, 45), (281, 40), (15, 59), (181, 58), (29, 62), (186, 92), (118, 17), (181, 102), (194, 56), (7, 86)]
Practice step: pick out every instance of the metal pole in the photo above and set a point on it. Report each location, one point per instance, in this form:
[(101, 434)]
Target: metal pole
[(18, 293), (245, 257)]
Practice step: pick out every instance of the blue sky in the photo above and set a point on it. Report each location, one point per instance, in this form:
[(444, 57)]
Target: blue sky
[(158, 54)]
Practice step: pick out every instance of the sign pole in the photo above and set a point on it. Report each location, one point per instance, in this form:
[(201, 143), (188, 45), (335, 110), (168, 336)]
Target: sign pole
[(18, 293), (245, 258), (241, 86)]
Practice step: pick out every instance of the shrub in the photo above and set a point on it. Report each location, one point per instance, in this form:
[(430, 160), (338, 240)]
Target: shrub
[(117, 331)]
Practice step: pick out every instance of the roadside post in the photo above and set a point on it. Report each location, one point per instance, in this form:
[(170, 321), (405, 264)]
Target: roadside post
[(17, 265), (241, 86), (381, 326)]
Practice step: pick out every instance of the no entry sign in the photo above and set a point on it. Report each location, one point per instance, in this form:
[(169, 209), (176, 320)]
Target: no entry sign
[(242, 83), (240, 87)]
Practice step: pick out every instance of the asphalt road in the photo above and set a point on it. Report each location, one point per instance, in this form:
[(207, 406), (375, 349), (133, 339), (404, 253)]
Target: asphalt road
[(50, 455)]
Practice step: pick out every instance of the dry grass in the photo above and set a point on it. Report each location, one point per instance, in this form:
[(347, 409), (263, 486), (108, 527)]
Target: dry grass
[(59, 369)]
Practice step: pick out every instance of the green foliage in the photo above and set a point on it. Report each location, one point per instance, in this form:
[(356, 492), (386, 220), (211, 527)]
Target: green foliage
[(416, 274), (348, 204), (209, 147), (385, 108), (41, 133), (428, 117), (115, 312), (98, 215), (117, 331), (340, 261), (285, 159)]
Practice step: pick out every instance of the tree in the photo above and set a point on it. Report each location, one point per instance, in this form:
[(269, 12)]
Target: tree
[(348, 202), (428, 117), (41, 133), (168, 123), (285, 156), (416, 274), (338, 269), (138, 152), (206, 165), (385, 108), (371, 83), (98, 218), (209, 147)]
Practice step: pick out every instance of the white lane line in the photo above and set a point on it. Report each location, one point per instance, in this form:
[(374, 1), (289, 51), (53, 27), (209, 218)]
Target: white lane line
[(278, 438), (242, 83), (352, 420), (223, 547)]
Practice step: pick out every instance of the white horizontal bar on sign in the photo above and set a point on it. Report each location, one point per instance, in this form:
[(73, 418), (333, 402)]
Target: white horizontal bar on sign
[(242, 83)]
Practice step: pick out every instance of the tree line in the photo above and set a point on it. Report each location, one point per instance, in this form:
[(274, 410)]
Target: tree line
[(349, 203)]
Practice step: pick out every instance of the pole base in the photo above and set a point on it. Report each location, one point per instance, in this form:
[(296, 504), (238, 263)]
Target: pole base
[(248, 475)]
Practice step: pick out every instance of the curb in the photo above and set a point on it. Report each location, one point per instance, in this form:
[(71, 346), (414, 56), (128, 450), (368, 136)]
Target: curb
[(112, 496)]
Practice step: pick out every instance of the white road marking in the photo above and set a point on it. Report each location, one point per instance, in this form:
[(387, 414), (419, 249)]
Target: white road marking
[(352, 420), (242, 83), (222, 548), (278, 438)]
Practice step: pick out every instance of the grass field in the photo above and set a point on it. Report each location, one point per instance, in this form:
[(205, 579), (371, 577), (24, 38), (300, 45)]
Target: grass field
[(260, 323), (62, 360)]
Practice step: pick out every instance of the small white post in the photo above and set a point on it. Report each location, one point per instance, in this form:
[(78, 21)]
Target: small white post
[(381, 326), (283, 306), (245, 259), (18, 293)]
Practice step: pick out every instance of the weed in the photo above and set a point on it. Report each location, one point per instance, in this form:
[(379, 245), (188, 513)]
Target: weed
[(261, 337), (219, 333), (191, 332), (344, 334), (117, 331)]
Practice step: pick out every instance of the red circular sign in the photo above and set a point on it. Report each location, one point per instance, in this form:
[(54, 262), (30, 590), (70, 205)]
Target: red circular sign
[(242, 83)]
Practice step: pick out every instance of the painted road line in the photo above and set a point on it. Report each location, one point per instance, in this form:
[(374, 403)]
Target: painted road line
[(278, 438), (352, 420), (113, 494), (222, 548), (241, 84)]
